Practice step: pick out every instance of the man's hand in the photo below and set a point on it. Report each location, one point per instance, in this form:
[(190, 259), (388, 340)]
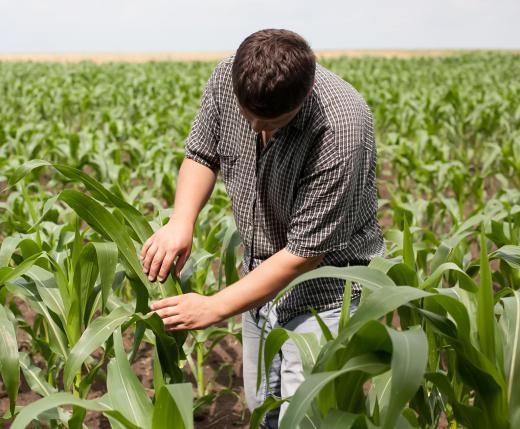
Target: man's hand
[(194, 311), (188, 311), (170, 241)]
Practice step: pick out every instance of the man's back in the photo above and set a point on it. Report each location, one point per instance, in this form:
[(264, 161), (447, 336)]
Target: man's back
[(310, 189), (307, 197)]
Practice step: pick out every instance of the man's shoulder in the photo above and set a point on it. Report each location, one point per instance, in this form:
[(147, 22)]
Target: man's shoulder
[(346, 118), (220, 80), (224, 65), (341, 107), (338, 100)]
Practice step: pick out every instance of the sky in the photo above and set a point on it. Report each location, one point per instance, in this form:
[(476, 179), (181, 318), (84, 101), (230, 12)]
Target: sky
[(124, 26)]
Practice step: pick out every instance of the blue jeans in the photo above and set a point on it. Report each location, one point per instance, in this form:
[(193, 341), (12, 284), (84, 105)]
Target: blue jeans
[(286, 373)]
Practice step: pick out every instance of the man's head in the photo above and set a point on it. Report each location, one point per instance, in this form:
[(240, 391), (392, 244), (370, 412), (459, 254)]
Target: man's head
[(273, 72)]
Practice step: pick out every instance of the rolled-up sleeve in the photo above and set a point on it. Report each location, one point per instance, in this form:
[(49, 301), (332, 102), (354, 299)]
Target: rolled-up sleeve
[(329, 194), (201, 144)]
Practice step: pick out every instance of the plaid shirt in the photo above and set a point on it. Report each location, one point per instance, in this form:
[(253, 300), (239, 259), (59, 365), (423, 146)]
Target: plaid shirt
[(311, 189)]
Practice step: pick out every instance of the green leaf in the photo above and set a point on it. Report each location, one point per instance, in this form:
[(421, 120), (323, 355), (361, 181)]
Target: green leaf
[(34, 378), (456, 309), (9, 358), (337, 419), (465, 281), (379, 394), (158, 376), (309, 389), (469, 416), (379, 303), (25, 169), (58, 339), (93, 337), (485, 312), (508, 253), (125, 391), (307, 345), (374, 306), (366, 276), (85, 276), (32, 411), (174, 405), (230, 242), (106, 224), (135, 219), (325, 331), (509, 326), (259, 412), (8, 274), (9, 245), (409, 358), (408, 256), (345, 306)]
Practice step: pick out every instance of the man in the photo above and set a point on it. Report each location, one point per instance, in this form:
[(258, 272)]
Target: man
[(295, 146)]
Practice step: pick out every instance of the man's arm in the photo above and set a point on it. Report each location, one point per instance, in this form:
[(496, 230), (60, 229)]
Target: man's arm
[(264, 282), (194, 311), (195, 183)]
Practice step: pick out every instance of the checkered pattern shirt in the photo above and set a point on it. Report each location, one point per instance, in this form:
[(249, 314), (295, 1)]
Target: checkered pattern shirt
[(311, 189)]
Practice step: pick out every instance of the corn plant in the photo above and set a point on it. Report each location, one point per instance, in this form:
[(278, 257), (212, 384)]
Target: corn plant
[(112, 140)]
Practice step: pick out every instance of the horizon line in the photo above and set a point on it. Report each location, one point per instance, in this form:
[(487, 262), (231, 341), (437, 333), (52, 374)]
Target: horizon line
[(100, 57)]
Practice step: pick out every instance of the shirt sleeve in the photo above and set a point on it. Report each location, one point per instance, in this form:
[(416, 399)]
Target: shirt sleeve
[(201, 145), (330, 190)]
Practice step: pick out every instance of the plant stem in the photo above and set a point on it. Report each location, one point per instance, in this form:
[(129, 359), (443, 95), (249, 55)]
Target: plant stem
[(200, 371)]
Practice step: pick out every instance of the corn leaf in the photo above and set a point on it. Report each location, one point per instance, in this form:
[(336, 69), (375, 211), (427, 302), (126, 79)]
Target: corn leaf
[(174, 405), (409, 358), (93, 337), (509, 326), (126, 393), (309, 389), (9, 358)]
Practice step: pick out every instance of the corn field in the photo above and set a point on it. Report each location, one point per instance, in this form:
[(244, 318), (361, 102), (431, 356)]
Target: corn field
[(89, 156)]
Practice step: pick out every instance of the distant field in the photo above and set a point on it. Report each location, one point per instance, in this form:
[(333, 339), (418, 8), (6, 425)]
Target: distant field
[(89, 161), (201, 56)]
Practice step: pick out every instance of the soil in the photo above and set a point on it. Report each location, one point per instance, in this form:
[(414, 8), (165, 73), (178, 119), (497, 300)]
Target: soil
[(223, 370)]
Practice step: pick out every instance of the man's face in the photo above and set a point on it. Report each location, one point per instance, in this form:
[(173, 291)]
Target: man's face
[(268, 125)]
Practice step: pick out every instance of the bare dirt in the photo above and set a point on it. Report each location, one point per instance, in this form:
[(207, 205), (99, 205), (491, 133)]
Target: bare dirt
[(222, 371)]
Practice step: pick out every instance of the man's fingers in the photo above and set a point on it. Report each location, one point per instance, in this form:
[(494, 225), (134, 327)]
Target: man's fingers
[(146, 245), (179, 327), (167, 311), (149, 257), (172, 321), (166, 302), (180, 262), (156, 264), (166, 264)]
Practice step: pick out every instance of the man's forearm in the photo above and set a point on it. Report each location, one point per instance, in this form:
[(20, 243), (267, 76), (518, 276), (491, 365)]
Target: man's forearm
[(195, 183), (263, 283)]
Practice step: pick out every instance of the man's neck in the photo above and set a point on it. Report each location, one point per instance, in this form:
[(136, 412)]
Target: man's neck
[(267, 135)]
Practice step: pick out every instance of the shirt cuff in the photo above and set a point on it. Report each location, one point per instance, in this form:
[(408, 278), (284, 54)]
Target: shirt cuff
[(194, 157), (300, 251)]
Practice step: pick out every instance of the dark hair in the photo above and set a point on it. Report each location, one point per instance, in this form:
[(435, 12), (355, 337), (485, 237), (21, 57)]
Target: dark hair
[(272, 72)]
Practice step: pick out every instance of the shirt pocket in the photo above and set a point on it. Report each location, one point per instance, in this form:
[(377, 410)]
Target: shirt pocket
[(228, 157)]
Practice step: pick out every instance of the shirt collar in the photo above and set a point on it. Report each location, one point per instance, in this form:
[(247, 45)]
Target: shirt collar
[(303, 115)]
